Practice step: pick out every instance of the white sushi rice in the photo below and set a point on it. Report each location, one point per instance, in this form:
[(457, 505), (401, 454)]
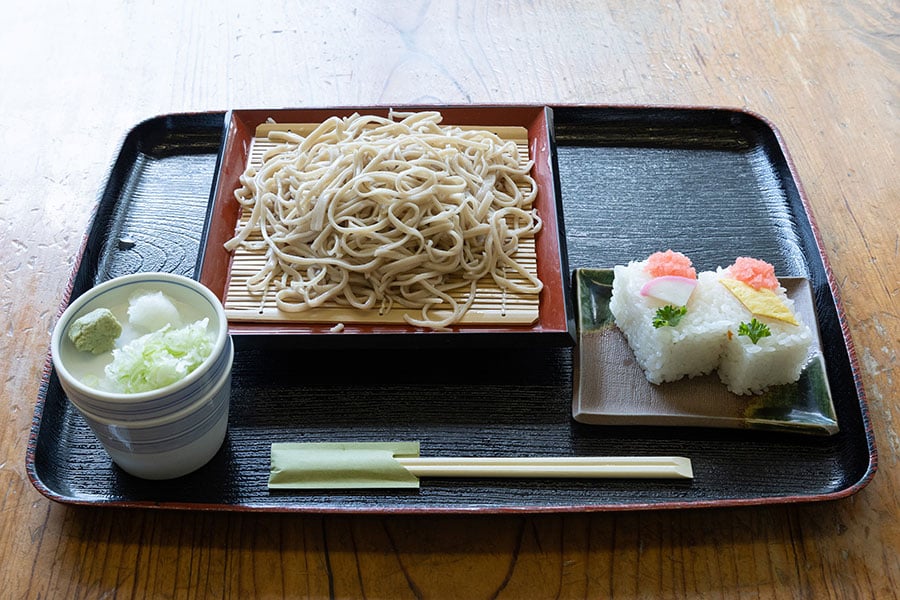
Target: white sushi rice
[(706, 338), (748, 368), (691, 348)]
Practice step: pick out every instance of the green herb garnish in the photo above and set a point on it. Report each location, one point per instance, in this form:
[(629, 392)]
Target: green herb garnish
[(669, 316), (754, 330)]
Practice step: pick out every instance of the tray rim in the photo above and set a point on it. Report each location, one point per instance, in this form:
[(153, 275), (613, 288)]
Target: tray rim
[(128, 145)]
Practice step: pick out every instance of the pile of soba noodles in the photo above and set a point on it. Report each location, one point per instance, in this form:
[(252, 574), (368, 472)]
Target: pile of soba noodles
[(374, 213)]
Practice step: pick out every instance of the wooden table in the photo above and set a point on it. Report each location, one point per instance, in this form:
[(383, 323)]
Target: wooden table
[(76, 78)]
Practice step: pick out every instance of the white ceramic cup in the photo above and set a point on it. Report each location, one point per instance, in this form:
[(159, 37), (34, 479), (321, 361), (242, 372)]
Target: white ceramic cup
[(163, 433)]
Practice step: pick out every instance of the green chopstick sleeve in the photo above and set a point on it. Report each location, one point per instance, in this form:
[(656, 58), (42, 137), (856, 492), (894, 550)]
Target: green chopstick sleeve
[(341, 465)]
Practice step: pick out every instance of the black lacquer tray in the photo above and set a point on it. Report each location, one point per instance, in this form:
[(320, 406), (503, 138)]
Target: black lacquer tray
[(713, 183)]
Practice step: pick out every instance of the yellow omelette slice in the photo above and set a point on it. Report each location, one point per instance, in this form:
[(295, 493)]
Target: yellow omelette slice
[(762, 302)]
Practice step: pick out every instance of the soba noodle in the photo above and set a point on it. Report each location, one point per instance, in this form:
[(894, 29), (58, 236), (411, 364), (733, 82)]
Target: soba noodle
[(372, 212)]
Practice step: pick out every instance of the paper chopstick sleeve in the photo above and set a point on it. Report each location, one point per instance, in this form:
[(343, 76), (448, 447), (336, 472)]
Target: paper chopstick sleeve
[(341, 465)]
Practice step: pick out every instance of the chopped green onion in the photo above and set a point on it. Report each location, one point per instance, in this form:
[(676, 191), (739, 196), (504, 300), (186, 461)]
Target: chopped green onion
[(157, 359)]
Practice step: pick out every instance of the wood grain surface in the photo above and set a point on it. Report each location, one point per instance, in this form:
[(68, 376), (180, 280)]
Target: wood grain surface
[(77, 76)]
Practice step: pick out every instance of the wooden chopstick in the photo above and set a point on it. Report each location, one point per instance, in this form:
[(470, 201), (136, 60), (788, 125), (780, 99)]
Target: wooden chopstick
[(630, 467)]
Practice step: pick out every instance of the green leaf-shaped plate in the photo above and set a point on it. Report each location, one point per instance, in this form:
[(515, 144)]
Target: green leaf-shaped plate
[(611, 389)]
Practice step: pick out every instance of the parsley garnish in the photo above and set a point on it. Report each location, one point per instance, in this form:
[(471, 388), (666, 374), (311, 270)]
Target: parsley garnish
[(669, 316), (754, 330)]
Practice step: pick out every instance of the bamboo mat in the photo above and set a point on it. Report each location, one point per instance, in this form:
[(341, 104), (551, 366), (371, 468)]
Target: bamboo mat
[(492, 305)]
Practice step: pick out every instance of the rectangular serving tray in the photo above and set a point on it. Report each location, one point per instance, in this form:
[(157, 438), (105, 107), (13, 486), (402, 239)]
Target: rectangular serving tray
[(713, 183)]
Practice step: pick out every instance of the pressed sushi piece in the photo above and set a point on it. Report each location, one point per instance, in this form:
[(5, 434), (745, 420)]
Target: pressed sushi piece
[(767, 344), (670, 339)]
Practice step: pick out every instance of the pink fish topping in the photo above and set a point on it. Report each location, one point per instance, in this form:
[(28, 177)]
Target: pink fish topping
[(756, 273), (660, 264)]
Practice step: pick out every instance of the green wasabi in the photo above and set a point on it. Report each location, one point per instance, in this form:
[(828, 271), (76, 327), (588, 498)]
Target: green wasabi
[(95, 332)]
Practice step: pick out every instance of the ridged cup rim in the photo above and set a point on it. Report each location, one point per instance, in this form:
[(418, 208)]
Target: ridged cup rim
[(169, 417), (143, 279)]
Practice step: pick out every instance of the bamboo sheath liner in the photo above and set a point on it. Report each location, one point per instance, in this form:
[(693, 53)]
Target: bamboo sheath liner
[(492, 305)]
